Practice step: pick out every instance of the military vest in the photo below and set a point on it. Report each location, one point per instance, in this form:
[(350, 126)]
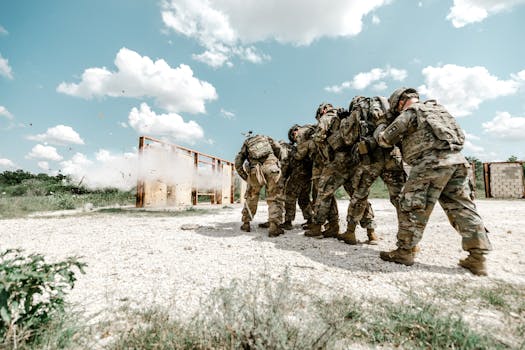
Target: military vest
[(436, 128), (259, 147)]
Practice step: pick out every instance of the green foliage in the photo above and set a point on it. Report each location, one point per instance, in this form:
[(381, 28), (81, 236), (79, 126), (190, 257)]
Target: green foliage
[(512, 158), (32, 291)]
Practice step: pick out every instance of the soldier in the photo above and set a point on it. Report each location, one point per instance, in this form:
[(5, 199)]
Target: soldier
[(325, 207), (431, 141), (262, 156), (370, 162), (298, 180)]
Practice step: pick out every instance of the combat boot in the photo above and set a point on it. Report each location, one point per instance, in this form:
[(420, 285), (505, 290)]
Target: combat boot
[(332, 230), (416, 249), (246, 227), (314, 230), (399, 256), (275, 230), (372, 238), (475, 263), (264, 224), (349, 236), (287, 225), (306, 225)]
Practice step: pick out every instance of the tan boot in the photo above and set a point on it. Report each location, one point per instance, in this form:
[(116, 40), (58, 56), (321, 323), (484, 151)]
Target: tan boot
[(332, 230), (416, 249), (264, 224), (306, 225), (287, 225), (372, 238), (314, 230), (399, 256), (349, 236), (274, 230), (246, 227), (475, 263)]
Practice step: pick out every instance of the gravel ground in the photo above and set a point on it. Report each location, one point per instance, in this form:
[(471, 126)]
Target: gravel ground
[(141, 259)]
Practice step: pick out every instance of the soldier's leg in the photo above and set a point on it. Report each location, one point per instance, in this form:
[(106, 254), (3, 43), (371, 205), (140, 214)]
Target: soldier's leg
[(463, 215), (362, 180), (274, 192), (291, 193), (251, 199), (304, 200)]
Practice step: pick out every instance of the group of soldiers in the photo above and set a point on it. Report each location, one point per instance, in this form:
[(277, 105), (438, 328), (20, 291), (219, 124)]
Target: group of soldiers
[(415, 147)]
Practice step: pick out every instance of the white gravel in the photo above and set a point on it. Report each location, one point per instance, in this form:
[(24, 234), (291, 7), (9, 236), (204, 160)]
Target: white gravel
[(142, 259)]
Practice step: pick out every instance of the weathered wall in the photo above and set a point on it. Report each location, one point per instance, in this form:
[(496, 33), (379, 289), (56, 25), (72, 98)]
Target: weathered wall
[(506, 180)]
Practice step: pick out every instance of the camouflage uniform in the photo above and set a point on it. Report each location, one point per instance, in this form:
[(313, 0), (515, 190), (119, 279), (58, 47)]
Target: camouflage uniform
[(431, 141), (262, 155), (371, 161), (298, 184)]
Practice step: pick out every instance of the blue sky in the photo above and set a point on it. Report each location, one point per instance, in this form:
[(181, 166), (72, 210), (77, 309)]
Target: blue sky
[(81, 80)]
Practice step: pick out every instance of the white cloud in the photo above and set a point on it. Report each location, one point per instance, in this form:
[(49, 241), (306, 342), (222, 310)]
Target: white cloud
[(43, 165), (59, 135), (6, 163), (44, 152), (227, 28), (3, 31), (504, 126), (375, 19), (463, 89), (5, 113), (365, 79), (5, 69), (146, 121), (227, 114), (464, 12), (470, 146), (174, 89), (123, 124)]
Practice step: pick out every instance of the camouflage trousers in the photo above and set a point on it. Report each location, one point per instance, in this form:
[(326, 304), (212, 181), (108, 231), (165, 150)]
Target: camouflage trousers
[(364, 176), (297, 191), (449, 185), (334, 175), (271, 173)]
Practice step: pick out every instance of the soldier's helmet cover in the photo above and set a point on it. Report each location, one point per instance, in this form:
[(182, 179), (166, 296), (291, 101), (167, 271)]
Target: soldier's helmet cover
[(291, 131), (354, 102), (396, 96), (321, 109)]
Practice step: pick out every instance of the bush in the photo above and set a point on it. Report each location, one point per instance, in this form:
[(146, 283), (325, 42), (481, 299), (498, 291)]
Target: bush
[(31, 292)]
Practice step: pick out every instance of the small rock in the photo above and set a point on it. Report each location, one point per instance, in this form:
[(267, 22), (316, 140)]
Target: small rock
[(190, 226)]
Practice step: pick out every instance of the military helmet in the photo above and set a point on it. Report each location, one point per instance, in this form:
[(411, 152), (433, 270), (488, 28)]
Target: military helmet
[(291, 131), (321, 108), (354, 102), (396, 96)]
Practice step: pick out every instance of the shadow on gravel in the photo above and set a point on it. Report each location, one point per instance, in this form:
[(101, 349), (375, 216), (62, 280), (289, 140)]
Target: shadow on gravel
[(328, 251)]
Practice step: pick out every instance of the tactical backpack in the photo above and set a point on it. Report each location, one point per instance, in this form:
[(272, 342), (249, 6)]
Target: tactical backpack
[(258, 147), (443, 124), (366, 113)]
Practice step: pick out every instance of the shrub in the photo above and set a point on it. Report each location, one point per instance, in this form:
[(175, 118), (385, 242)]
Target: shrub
[(31, 292)]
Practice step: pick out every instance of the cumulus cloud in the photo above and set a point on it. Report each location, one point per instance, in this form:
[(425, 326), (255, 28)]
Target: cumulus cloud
[(172, 125), (44, 152), (6, 163), (505, 126), (43, 165), (227, 28), (463, 89), (5, 69), (59, 135), (5, 113), (471, 146), (173, 89), (363, 80), (464, 12), (3, 31), (227, 114)]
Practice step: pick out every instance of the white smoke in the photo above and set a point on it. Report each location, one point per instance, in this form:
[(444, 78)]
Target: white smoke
[(157, 162)]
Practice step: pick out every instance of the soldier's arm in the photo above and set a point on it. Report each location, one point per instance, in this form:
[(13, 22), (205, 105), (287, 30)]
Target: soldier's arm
[(393, 133), (239, 162), (303, 149), (276, 148)]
